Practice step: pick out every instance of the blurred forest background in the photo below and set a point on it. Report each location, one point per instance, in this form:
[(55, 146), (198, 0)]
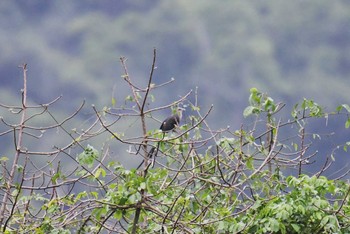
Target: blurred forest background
[(289, 49)]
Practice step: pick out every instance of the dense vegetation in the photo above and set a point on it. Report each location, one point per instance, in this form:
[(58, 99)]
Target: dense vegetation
[(194, 180)]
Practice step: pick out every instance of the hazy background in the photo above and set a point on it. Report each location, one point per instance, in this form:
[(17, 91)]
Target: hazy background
[(289, 49)]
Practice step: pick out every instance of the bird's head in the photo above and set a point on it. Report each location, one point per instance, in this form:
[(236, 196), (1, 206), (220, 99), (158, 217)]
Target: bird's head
[(179, 111)]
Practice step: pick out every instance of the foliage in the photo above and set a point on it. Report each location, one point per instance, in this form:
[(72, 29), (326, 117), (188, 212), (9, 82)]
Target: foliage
[(193, 180)]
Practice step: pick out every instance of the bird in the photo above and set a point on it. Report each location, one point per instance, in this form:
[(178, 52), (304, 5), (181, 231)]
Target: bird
[(167, 125), (172, 121)]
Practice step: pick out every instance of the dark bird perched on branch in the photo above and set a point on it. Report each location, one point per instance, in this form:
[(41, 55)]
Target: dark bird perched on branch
[(167, 125), (172, 121)]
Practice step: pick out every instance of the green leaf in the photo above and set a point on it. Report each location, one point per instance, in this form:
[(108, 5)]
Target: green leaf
[(117, 135), (318, 215), (19, 168), (100, 171), (345, 147), (55, 177), (14, 192), (295, 145), (118, 214), (347, 123), (249, 163), (339, 108), (88, 156), (314, 109), (113, 101), (296, 227), (221, 225), (132, 198), (129, 98), (283, 214), (94, 194), (253, 90), (274, 225), (295, 111), (4, 159), (152, 97), (347, 107), (195, 108), (143, 185), (269, 104), (249, 110), (99, 212), (81, 195)]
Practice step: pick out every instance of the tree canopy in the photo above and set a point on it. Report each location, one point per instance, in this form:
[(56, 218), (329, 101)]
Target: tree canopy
[(196, 179)]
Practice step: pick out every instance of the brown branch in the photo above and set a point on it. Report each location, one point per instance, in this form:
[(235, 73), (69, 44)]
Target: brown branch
[(149, 81), (18, 147), (144, 145), (127, 79)]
